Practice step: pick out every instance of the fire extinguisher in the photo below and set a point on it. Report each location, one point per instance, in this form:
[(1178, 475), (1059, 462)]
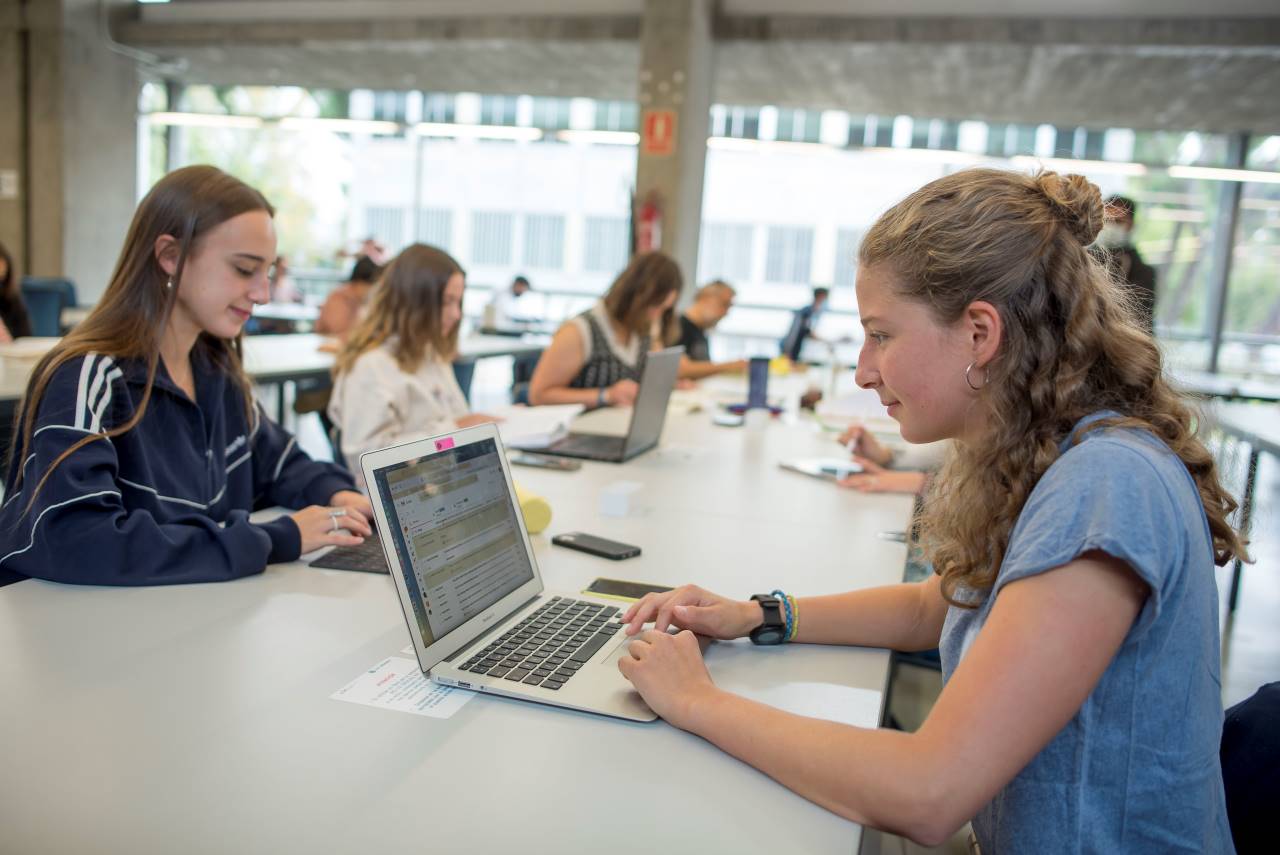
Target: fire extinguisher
[(649, 225)]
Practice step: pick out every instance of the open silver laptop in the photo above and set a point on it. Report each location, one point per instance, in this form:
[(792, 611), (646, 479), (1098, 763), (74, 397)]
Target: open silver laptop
[(647, 416), (469, 585)]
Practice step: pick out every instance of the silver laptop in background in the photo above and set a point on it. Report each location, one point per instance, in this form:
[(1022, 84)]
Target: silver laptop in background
[(647, 416), (469, 586)]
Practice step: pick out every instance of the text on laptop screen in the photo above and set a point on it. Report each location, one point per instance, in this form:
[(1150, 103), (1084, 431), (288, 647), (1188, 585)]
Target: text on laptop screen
[(456, 533)]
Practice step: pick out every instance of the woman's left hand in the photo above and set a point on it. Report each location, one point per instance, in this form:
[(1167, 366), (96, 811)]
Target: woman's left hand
[(668, 672), (874, 478), (355, 503)]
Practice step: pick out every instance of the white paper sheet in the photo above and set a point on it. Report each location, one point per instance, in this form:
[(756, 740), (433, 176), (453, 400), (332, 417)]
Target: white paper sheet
[(399, 684), (843, 704), (534, 427)]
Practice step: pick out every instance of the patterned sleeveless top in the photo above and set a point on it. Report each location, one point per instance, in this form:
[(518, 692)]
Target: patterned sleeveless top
[(604, 368)]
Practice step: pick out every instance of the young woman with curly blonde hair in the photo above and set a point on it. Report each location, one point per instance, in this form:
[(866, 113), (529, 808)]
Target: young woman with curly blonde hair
[(1074, 533)]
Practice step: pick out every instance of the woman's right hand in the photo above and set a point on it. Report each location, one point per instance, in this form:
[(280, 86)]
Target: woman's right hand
[(862, 443), (316, 524), (690, 607), (622, 394)]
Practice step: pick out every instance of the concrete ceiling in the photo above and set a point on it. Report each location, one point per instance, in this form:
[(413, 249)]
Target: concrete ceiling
[(1177, 71)]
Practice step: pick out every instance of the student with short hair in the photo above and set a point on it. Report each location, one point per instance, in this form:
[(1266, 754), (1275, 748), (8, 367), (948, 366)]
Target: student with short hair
[(140, 450), (596, 359), (804, 322), (1074, 532), (394, 379), (710, 305)]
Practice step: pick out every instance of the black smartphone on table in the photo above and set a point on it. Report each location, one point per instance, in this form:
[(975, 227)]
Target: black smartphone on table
[(592, 545)]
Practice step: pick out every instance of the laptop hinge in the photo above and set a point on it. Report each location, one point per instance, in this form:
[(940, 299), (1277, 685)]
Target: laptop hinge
[(475, 642)]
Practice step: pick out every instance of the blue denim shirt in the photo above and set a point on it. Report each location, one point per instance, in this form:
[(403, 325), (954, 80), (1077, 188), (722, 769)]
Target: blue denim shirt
[(1136, 769)]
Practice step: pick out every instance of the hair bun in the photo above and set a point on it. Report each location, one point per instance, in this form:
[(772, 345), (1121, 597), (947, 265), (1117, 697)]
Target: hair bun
[(1076, 202)]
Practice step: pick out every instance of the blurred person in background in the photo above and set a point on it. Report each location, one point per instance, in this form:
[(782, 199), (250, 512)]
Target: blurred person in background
[(709, 307), (596, 358), (1115, 249), (344, 305), (14, 322)]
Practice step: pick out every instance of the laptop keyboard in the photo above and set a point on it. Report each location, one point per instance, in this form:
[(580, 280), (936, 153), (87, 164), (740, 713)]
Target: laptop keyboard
[(549, 646), (365, 557)]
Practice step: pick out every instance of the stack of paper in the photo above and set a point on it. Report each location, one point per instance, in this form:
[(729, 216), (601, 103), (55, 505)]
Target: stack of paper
[(534, 427)]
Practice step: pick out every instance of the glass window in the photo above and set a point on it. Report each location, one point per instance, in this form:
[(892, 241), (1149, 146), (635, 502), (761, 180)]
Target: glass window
[(390, 106), (551, 114), (491, 238), (497, 110), (788, 252), (544, 241), (725, 251), (606, 246), (386, 225), (435, 227), (847, 243), (1252, 331), (438, 107)]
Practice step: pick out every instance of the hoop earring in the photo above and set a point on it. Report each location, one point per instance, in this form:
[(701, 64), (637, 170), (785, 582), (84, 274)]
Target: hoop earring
[(969, 381)]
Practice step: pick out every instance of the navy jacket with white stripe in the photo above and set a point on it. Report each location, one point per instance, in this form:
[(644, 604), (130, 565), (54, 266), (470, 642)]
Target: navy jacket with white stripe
[(167, 502)]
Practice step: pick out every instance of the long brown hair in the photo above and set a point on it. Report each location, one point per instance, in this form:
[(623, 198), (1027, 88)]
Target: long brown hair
[(406, 306), (645, 283), (132, 315), (1071, 347)]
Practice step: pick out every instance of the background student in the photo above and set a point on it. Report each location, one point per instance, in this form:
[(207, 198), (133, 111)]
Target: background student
[(596, 358), (342, 308), (140, 450), (803, 323), (394, 379), (14, 321), (1074, 532), (709, 307)]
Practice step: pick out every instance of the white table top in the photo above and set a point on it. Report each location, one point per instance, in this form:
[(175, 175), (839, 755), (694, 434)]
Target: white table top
[(1258, 424), (198, 718)]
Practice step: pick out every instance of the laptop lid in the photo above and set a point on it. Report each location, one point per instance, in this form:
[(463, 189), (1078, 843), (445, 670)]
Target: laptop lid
[(453, 535), (650, 411)]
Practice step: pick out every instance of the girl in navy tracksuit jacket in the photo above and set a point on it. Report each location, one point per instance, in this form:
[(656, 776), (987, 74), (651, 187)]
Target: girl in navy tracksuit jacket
[(139, 451)]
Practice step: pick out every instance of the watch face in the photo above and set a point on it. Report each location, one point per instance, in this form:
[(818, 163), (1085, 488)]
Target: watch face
[(768, 635)]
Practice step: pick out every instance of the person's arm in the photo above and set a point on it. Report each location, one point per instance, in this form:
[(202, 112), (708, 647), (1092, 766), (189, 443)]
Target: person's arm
[(5, 335), (1046, 643), (692, 369), (337, 315), (560, 363)]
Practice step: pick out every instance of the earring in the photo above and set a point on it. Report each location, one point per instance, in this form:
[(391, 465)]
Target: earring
[(969, 381), (169, 284)]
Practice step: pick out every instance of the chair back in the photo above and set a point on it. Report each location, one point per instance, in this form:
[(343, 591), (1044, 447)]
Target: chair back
[(46, 297)]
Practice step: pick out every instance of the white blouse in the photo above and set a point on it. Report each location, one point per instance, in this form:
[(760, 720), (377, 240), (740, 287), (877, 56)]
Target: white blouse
[(376, 404)]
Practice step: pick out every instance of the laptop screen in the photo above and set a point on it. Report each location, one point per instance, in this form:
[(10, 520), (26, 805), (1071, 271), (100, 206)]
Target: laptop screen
[(455, 531)]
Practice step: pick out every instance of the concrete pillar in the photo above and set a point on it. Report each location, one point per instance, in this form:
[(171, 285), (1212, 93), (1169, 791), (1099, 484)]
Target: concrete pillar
[(78, 167), (676, 71), (13, 133)]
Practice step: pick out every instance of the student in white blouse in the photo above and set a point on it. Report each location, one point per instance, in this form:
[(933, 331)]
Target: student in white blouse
[(393, 380)]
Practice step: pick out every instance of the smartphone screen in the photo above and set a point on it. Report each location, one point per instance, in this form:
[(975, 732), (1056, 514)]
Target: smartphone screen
[(619, 589)]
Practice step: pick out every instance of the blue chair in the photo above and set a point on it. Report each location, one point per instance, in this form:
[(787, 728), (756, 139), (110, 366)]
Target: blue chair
[(46, 297)]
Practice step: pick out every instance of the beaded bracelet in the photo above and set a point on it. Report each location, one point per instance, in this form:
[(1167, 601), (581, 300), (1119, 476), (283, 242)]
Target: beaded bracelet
[(786, 607)]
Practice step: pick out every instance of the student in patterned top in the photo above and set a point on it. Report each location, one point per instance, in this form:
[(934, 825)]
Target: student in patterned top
[(1074, 532), (596, 359), (140, 451), (394, 379)]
